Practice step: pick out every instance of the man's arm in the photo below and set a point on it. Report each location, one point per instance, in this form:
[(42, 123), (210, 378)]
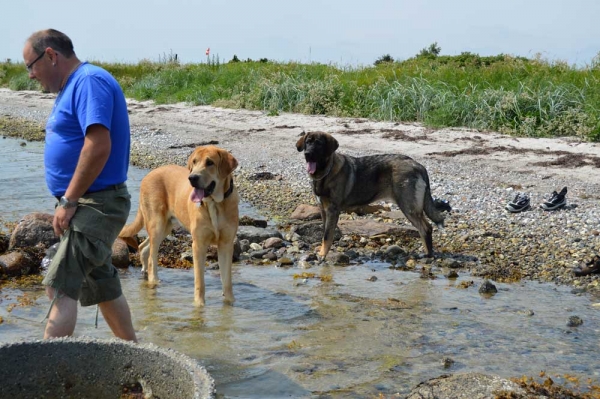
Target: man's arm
[(93, 157)]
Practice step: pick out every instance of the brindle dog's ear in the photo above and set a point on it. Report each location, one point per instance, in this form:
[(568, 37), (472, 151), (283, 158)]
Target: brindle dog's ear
[(332, 144), (300, 143), (228, 163)]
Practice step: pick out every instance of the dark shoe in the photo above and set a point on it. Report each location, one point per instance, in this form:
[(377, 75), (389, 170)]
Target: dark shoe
[(557, 201), (519, 204), (591, 267)]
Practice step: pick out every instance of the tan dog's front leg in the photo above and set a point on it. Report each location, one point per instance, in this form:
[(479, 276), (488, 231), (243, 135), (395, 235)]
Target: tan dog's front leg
[(151, 257), (225, 250), (144, 250), (199, 250)]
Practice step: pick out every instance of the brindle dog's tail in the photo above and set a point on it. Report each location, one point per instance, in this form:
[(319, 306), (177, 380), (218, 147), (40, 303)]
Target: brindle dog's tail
[(128, 232), (435, 207)]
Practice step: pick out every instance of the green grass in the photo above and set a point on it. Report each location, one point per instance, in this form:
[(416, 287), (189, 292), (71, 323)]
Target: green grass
[(513, 95)]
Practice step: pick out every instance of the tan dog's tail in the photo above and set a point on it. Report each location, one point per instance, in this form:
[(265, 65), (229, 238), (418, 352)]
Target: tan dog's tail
[(128, 232)]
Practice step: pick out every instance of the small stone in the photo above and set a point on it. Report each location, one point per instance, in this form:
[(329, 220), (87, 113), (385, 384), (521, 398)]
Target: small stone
[(574, 321), (447, 362), (285, 261), (255, 247), (452, 274), (487, 288)]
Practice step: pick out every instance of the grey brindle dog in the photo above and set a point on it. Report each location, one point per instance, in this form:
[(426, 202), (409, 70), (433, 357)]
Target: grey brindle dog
[(341, 181)]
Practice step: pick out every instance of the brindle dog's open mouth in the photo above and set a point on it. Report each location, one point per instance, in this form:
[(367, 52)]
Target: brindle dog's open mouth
[(311, 163), (199, 193)]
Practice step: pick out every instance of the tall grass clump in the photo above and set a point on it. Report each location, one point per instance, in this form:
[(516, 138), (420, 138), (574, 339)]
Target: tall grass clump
[(14, 76), (513, 95)]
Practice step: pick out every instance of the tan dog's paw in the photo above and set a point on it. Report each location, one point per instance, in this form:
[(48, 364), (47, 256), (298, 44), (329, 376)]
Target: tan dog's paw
[(228, 299), (152, 280), (199, 302), (153, 284)]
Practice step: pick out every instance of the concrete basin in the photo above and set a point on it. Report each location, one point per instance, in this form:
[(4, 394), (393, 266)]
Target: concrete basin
[(93, 368)]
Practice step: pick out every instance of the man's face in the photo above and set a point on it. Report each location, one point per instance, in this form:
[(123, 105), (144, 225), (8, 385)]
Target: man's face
[(41, 69)]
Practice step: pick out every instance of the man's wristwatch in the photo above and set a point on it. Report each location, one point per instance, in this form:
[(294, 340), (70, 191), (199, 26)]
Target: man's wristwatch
[(66, 204)]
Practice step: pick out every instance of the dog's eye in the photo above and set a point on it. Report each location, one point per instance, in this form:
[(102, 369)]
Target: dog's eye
[(209, 162)]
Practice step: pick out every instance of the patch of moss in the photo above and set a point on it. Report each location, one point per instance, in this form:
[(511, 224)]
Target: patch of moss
[(21, 128)]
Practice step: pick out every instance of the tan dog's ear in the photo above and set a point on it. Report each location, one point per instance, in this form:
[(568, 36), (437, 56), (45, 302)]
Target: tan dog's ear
[(300, 143), (332, 144), (228, 163), (192, 157)]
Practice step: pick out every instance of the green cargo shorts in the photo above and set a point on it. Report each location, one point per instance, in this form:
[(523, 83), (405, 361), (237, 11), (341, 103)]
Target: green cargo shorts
[(82, 267)]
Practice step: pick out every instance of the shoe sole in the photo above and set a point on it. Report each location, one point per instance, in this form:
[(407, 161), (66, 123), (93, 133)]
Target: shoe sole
[(513, 210), (552, 208)]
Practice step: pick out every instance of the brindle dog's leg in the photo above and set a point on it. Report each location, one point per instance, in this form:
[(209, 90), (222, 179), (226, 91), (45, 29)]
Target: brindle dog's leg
[(417, 218), (332, 214)]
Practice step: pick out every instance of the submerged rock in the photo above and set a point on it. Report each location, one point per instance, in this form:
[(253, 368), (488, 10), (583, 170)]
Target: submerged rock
[(487, 288), (465, 386)]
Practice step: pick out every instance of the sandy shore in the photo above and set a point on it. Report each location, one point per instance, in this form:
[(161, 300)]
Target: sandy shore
[(477, 171)]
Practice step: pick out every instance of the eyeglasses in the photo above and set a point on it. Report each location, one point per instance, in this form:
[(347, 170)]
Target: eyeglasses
[(30, 66)]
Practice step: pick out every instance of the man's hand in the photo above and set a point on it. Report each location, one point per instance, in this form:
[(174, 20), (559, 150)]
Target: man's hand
[(62, 219)]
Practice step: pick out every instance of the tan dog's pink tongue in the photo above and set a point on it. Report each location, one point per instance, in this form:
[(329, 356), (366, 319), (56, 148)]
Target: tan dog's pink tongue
[(311, 167), (197, 195)]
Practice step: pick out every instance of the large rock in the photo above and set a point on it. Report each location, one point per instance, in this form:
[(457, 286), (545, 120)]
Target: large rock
[(17, 263), (465, 386), (312, 232), (274, 242), (35, 228), (368, 209), (120, 254), (306, 212), (369, 228), (256, 234)]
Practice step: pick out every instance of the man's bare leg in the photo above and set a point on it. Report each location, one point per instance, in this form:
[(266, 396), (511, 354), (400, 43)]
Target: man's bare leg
[(63, 316), (118, 316)]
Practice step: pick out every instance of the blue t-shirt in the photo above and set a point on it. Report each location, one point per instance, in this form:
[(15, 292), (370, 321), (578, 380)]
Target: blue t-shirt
[(91, 96)]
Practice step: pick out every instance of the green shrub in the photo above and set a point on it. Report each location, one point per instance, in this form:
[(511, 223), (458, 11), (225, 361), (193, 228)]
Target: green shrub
[(22, 82)]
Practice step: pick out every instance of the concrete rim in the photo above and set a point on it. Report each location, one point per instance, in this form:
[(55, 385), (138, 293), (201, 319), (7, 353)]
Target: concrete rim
[(204, 385)]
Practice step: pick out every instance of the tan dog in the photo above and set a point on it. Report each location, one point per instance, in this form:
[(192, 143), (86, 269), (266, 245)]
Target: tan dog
[(204, 201)]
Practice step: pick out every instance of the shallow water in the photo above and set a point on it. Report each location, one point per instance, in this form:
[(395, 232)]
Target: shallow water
[(24, 188), (296, 337), (286, 337)]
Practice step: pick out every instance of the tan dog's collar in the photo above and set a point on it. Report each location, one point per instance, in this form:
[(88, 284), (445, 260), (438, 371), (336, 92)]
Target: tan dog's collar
[(228, 192)]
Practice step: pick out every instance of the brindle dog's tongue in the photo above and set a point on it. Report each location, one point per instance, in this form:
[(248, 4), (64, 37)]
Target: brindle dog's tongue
[(311, 167), (197, 195)]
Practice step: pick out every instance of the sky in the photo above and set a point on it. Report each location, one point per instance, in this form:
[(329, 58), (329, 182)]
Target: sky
[(341, 32)]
